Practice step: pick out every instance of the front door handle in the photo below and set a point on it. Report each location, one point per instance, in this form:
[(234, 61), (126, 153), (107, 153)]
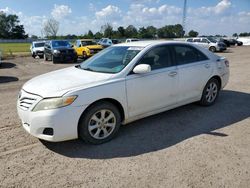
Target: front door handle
[(172, 74)]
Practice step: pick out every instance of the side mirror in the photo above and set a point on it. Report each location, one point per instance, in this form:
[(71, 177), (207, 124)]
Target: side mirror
[(142, 69)]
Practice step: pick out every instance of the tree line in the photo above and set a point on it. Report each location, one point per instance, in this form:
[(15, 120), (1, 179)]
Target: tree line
[(107, 31)]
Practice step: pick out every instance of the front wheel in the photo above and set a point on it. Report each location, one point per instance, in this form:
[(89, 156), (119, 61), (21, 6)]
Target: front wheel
[(100, 123), (210, 92)]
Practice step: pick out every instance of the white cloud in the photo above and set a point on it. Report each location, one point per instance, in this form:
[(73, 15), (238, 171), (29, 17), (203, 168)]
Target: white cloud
[(142, 15), (61, 11), (218, 9), (109, 12), (222, 6)]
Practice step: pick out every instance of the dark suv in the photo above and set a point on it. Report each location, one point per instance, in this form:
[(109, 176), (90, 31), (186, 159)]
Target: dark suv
[(59, 51)]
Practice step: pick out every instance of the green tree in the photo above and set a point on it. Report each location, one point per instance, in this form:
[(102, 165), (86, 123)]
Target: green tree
[(131, 31), (193, 33), (107, 30), (235, 35), (98, 35), (121, 32), (10, 27), (90, 34)]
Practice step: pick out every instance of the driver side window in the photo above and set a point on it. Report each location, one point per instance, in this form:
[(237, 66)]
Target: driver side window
[(157, 58)]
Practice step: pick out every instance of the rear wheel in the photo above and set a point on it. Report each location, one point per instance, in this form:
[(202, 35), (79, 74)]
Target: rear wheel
[(100, 123), (212, 49), (210, 92)]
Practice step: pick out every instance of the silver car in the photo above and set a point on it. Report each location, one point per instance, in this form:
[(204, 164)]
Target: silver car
[(209, 43)]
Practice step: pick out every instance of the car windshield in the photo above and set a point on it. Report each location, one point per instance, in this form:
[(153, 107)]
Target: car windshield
[(40, 44), (111, 60), (60, 43), (86, 43)]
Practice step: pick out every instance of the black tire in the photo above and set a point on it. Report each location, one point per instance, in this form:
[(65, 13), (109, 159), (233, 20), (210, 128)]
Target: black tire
[(86, 119), (208, 92), (84, 55), (212, 49), (40, 56), (33, 55)]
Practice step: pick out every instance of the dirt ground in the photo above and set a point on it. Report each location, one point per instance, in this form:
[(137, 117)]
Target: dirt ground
[(191, 146)]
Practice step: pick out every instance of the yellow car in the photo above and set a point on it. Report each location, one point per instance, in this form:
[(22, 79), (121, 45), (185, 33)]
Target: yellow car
[(86, 48)]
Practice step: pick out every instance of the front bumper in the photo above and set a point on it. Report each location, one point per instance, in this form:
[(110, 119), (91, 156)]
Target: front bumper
[(65, 57), (63, 122)]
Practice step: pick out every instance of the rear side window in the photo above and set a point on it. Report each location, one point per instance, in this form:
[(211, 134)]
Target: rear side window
[(188, 54), (189, 40)]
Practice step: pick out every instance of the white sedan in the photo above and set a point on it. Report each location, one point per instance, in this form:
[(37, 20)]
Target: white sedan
[(121, 84)]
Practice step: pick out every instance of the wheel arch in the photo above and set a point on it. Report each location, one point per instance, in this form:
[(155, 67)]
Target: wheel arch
[(218, 78), (111, 100)]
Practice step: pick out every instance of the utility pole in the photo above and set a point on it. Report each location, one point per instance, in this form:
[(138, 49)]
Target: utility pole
[(184, 17)]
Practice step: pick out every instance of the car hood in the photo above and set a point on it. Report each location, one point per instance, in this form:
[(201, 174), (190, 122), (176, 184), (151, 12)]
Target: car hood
[(93, 47), (39, 49), (57, 83)]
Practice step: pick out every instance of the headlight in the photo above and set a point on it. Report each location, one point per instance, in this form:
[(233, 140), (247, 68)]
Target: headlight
[(52, 103), (56, 51)]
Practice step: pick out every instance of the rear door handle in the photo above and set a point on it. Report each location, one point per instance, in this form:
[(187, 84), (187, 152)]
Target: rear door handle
[(172, 74)]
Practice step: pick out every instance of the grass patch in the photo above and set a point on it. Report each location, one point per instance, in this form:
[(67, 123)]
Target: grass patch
[(12, 49), (8, 48)]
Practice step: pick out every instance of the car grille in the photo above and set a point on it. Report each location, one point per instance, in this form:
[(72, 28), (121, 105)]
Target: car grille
[(27, 101)]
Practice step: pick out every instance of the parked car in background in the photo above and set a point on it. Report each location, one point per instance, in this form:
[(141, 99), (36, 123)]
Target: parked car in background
[(105, 42), (131, 40), (225, 41), (37, 48), (120, 84), (59, 51), (235, 42), (209, 43), (115, 41), (86, 48)]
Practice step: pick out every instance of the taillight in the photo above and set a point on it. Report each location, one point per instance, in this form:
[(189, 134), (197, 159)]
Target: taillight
[(226, 63)]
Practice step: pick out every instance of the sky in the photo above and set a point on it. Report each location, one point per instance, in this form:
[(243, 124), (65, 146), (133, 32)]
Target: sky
[(78, 17)]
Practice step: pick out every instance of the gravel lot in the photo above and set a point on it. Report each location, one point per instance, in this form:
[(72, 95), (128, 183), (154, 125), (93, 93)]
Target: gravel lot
[(191, 146)]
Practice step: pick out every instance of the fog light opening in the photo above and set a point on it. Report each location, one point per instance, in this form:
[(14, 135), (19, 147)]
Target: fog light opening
[(48, 131)]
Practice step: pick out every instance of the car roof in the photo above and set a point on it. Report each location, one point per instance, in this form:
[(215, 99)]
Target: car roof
[(149, 42)]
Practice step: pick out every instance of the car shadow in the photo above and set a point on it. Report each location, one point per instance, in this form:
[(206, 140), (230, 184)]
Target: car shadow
[(6, 79), (164, 130), (7, 65)]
